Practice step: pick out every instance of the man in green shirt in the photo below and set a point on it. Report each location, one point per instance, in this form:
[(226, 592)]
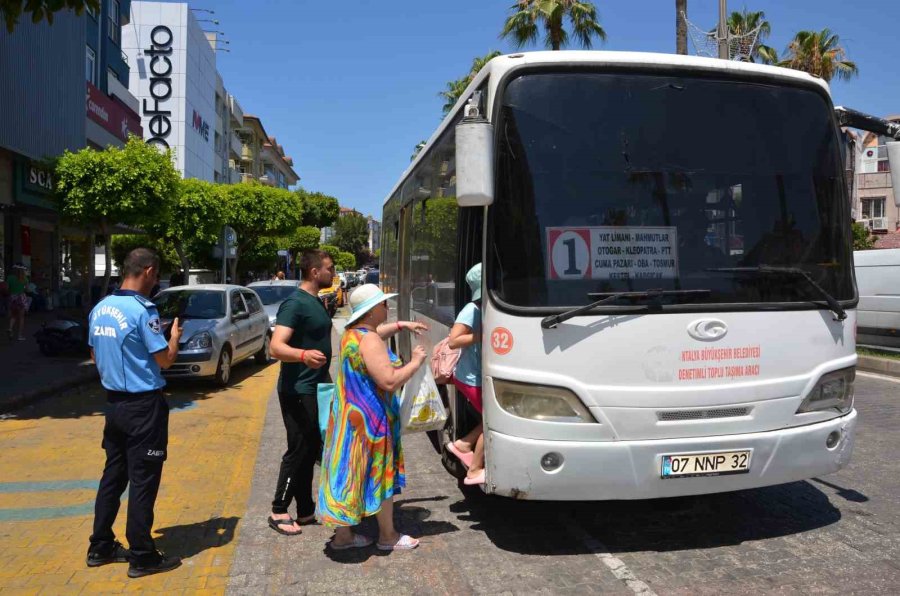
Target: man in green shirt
[(302, 342)]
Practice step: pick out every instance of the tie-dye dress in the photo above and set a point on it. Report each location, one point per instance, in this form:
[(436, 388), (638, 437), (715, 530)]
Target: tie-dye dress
[(362, 463)]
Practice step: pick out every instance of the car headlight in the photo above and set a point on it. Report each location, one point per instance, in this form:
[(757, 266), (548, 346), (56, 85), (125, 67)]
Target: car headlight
[(834, 390), (271, 322), (540, 402), (201, 341)]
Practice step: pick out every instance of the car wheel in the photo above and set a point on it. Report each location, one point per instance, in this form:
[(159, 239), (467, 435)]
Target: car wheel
[(262, 357), (223, 370)]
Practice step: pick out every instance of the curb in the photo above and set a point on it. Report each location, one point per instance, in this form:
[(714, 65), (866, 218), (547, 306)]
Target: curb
[(884, 366), (27, 398)]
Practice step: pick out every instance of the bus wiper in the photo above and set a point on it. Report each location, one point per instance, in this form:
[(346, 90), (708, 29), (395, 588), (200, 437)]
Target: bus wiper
[(554, 320), (833, 304)]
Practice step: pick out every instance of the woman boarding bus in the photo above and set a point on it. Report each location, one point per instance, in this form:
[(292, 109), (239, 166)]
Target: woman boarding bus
[(668, 279)]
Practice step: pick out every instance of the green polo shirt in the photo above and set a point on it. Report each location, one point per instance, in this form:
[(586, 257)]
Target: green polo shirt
[(307, 316)]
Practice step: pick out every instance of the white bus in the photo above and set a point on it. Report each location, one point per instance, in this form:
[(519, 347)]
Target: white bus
[(668, 279)]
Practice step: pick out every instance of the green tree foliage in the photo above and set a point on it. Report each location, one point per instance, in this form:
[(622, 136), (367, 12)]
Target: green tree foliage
[(11, 10), (455, 89), (319, 210), (133, 186), (820, 54), (257, 211), (343, 261), (122, 244), (351, 233), (195, 221), (862, 239), (529, 16), (745, 21)]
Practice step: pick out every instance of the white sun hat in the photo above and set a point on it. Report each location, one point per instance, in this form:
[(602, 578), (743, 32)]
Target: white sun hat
[(365, 298)]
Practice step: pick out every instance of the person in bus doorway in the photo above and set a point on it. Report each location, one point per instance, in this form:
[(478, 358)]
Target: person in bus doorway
[(465, 335), (362, 466)]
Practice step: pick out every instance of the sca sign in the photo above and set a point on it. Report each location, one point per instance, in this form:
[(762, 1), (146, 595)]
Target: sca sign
[(37, 179), (201, 126), (160, 49)]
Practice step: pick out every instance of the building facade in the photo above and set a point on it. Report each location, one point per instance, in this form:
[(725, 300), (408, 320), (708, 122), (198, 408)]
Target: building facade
[(374, 234), (262, 159), (874, 199), (173, 75)]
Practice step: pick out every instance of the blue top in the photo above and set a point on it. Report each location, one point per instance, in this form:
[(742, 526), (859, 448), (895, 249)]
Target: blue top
[(124, 333), (468, 368)]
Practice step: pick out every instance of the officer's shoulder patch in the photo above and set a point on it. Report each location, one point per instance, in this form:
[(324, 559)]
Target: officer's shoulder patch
[(154, 325), (144, 301)]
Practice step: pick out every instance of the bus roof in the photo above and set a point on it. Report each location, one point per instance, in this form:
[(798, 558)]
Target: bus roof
[(500, 65)]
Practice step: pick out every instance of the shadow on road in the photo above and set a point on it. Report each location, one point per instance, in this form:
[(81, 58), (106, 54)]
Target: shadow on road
[(192, 539), (90, 399), (659, 525), (408, 519)]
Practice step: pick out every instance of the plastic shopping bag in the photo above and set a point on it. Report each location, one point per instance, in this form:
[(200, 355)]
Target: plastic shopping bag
[(324, 397), (421, 407)]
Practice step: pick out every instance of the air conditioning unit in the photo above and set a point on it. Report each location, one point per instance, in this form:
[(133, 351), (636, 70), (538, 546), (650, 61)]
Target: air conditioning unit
[(879, 224)]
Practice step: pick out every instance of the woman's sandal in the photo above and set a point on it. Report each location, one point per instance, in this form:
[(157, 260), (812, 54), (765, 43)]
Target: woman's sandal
[(359, 541), (474, 480), (275, 523), (404, 543), (465, 458)]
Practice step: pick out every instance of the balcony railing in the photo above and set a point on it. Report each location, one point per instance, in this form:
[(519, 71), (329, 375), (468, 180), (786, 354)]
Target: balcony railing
[(236, 146)]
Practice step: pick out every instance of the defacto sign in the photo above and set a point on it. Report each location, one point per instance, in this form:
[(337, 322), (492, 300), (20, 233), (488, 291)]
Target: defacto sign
[(160, 49), (115, 118)]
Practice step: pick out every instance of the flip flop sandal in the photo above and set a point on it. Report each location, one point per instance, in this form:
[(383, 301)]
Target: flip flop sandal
[(359, 541), (465, 458), (306, 520), (276, 523), (474, 480), (404, 543)]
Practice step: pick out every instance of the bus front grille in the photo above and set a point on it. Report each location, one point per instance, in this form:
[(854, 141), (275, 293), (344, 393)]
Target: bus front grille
[(678, 415)]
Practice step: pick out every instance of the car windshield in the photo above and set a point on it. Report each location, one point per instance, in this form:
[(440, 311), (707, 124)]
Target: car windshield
[(274, 294), (632, 182), (191, 304)]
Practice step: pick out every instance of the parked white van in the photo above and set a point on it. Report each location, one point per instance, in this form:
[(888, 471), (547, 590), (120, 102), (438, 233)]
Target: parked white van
[(878, 313)]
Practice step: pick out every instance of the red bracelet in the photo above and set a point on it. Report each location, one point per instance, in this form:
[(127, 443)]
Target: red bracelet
[(399, 327), (302, 355)]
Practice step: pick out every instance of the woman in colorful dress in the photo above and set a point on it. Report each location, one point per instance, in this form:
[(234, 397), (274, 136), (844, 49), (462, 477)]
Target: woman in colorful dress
[(362, 464)]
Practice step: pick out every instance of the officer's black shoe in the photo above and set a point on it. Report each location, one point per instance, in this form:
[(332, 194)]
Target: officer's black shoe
[(162, 564), (117, 554)]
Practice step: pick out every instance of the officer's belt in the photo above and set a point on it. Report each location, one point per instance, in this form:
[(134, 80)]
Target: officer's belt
[(117, 396)]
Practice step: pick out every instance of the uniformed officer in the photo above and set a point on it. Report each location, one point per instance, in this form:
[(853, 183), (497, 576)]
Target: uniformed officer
[(129, 347)]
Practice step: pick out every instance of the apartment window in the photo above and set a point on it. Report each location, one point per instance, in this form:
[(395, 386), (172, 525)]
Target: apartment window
[(90, 62), (114, 22), (873, 208)]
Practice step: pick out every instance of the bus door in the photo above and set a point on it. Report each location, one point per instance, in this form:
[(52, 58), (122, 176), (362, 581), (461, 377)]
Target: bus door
[(403, 345)]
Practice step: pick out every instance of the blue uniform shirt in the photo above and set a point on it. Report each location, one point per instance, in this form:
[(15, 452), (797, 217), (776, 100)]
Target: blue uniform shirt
[(125, 332)]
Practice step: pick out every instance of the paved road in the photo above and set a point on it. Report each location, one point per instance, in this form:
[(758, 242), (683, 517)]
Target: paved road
[(830, 535)]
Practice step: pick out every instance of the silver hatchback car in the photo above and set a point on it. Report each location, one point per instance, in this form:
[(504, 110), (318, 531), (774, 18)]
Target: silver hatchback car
[(223, 325), (272, 293)]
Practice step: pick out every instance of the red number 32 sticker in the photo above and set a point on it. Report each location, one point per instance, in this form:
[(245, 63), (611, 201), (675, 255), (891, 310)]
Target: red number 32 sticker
[(501, 340)]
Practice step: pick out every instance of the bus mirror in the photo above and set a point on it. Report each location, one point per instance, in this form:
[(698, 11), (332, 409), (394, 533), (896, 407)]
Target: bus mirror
[(475, 163), (893, 151)]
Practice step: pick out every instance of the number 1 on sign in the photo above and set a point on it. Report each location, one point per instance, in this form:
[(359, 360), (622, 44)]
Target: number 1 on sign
[(572, 269)]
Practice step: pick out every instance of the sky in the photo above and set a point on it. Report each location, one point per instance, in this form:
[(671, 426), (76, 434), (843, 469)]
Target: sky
[(349, 88)]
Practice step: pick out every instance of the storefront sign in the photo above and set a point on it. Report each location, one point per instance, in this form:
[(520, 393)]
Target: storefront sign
[(160, 86), (111, 115), (38, 179), (201, 126)]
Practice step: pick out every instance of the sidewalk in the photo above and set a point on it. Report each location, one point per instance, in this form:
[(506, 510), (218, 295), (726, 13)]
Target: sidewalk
[(29, 375)]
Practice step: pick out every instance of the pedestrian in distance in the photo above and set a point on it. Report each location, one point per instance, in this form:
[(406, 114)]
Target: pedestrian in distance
[(302, 342), (19, 302), (128, 344), (362, 466), (465, 335)]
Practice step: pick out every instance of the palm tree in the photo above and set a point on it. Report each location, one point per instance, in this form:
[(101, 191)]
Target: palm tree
[(456, 88), (820, 54), (681, 27), (745, 21), (530, 15)]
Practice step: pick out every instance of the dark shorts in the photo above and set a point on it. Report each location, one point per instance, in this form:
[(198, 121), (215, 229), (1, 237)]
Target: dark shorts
[(140, 422)]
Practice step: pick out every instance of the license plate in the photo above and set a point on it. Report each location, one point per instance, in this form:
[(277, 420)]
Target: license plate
[(706, 464)]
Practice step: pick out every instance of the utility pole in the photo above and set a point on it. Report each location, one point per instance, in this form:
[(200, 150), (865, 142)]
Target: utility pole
[(681, 27), (723, 30)]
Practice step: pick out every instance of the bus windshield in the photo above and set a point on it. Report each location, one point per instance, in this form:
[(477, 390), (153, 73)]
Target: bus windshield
[(612, 183)]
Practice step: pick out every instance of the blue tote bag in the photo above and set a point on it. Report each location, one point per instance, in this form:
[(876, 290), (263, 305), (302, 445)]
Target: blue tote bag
[(324, 397)]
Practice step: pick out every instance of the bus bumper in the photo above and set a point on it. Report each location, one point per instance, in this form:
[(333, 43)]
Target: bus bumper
[(632, 469)]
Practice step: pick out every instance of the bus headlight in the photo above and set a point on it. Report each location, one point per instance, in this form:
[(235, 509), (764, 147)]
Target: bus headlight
[(539, 402), (834, 390)]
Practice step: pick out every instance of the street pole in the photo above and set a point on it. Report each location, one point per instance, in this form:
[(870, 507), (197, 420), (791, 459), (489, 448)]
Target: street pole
[(224, 253), (723, 30), (681, 27)]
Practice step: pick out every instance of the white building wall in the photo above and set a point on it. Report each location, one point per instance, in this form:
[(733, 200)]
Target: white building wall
[(193, 82)]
